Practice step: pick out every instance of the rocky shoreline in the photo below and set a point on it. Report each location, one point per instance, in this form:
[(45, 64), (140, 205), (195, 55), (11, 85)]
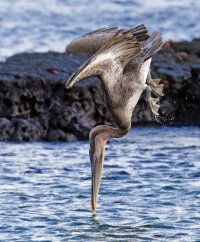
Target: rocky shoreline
[(35, 106)]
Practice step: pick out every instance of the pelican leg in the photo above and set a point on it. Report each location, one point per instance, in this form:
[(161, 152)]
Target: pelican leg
[(156, 88), (152, 101)]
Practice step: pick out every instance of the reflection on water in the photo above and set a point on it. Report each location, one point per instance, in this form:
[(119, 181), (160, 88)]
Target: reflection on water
[(149, 192)]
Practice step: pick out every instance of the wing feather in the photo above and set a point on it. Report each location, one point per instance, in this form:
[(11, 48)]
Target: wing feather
[(101, 31), (93, 41), (121, 47), (125, 47)]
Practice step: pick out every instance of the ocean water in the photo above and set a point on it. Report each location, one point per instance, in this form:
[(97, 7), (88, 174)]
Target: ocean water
[(150, 189), (43, 25)]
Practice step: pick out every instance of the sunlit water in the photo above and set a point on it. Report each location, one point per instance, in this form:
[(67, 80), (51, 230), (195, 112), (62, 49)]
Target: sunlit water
[(44, 25), (150, 189)]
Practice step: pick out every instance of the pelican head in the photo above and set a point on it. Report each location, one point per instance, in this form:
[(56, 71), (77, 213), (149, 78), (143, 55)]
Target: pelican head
[(97, 153), (98, 139)]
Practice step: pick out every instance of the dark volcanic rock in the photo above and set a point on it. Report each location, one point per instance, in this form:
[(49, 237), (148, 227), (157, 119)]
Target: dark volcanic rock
[(59, 135), (179, 69), (34, 104)]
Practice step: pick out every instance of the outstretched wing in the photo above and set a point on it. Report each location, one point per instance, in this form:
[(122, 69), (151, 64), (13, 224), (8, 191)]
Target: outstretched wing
[(91, 42), (110, 59), (152, 45), (120, 48)]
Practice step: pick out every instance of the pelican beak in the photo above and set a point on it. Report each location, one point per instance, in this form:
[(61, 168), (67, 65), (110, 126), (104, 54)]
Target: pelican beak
[(97, 168), (97, 160)]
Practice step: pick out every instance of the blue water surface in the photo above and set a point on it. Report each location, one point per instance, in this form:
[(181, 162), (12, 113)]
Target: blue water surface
[(150, 189), (43, 25)]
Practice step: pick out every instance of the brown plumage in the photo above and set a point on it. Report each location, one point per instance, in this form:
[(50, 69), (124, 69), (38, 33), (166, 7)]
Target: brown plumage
[(91, 42), (122, 63)]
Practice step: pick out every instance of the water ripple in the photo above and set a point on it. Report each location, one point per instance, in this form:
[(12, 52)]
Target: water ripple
[(149, 192)]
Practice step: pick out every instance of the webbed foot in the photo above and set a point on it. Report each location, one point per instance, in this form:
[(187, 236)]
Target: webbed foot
[(154, 106), (153, 102), (157, 88), (154, 87)]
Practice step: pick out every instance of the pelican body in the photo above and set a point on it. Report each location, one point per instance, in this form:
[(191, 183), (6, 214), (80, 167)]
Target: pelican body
[(121, 60)]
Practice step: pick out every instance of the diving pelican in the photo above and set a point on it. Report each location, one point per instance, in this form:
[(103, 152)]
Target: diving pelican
[(121, 59)]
